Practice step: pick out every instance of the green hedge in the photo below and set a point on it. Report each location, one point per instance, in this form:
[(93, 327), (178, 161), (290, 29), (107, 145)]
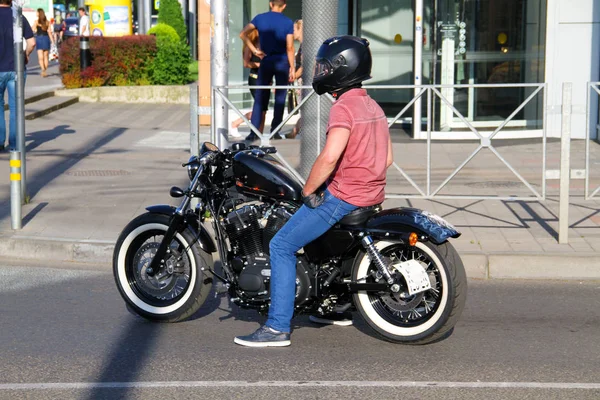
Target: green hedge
[(116, 61)]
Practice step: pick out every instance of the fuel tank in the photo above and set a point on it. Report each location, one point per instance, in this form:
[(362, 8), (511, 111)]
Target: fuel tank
[(263, 175)]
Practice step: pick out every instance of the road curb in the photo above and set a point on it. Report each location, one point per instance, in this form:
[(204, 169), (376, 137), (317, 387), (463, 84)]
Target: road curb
[(57, 250), (546, 266)]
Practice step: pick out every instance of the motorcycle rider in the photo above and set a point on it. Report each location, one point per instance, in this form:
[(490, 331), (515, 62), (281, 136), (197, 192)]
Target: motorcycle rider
[(352, 167)]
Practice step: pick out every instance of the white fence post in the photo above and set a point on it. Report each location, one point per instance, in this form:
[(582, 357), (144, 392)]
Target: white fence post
[(565, 165)]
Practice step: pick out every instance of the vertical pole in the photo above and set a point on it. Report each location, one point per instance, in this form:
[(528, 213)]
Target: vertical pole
[(418, 67), (587, 142), (148, 6), (15, 190), (84, 52), (193, 28), (219, 56), (141, 9), (565, 164), (544, 139), (429, 141), (20, 91), (319, 19), (194, 129)]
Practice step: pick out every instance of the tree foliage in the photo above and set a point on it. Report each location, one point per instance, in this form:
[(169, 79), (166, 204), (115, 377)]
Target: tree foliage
[(169, 13)]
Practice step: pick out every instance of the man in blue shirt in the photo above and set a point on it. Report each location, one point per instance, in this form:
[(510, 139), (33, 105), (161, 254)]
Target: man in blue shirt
[(276, 37), (8, 75)]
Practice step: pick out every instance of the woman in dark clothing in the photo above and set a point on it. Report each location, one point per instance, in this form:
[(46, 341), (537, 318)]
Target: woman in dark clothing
[(253, 62), (43, 38)]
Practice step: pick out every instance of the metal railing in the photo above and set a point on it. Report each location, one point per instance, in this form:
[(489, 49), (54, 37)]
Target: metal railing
[(420, 90)]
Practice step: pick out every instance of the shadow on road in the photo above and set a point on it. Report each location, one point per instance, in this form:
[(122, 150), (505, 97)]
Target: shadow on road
[(36, 139), (52, 171)]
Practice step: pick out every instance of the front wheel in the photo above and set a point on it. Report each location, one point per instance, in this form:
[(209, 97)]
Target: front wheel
[(423, 317), (181, 286)]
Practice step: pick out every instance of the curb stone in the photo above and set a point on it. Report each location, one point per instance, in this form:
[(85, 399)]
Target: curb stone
[(547, 266)]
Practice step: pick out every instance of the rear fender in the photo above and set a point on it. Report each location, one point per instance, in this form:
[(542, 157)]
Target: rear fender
[(204, 240), (398, 222)]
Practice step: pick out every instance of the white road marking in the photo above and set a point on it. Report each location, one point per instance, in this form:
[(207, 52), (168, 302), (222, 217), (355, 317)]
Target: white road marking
[(298, 384)]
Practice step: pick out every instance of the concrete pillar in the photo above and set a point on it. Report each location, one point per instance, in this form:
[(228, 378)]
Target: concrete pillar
[(319, 23)]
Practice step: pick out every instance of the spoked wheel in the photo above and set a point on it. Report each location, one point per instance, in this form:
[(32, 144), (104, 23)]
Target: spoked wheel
[(423, 317), (178, 289)]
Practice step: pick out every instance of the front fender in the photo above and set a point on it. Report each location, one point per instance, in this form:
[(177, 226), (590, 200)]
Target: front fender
[(204, 240), (405, 219)]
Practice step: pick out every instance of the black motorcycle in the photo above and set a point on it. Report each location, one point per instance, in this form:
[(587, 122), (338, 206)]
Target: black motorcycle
[(395, 266)]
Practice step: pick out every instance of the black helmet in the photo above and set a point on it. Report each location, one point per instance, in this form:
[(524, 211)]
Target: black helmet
[(341, 62)]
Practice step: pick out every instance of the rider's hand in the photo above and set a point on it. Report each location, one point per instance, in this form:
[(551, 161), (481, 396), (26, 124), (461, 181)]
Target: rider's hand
[(313, 200)]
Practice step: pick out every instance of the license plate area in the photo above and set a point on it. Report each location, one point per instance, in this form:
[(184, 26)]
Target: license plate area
[(417, 279)]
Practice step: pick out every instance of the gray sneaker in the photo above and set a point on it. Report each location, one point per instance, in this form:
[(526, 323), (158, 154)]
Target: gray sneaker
[(264, 337), (340, 319)]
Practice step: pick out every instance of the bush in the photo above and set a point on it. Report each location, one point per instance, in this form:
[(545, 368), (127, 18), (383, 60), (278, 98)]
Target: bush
[(171, 65), (115, 61), (164, 30), (169, 13)]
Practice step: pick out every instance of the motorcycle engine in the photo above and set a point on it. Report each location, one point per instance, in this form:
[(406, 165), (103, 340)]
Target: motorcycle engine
[(249, 243)]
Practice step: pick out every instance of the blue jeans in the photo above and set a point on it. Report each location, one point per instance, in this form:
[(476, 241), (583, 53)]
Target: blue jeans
[(8, 81), (306, 225), (279, 67)]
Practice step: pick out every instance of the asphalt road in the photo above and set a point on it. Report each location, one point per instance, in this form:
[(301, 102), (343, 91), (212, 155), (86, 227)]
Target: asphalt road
[(65, 333)]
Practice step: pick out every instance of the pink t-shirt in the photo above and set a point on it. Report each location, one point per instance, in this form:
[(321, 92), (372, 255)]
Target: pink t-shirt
[(359, 177)]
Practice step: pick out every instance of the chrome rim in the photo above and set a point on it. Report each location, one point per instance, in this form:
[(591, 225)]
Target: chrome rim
[(170, 283), (407, 311)]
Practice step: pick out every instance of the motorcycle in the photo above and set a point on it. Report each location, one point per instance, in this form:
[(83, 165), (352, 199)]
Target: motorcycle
[(395, 266)]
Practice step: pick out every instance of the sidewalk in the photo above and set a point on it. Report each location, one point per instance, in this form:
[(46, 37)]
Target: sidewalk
[(35, 84), (93, 167)]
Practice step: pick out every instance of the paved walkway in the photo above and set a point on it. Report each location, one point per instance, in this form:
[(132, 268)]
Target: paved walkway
[(91, 168)]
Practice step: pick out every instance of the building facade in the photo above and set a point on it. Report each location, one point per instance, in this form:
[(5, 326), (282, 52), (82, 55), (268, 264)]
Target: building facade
[(465, 42)]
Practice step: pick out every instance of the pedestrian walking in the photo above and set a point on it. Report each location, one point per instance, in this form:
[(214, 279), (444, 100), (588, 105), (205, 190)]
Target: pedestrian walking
[(253, 62), (276, 37), (43, 39), (84, 22), (8, 75), (349, 173)]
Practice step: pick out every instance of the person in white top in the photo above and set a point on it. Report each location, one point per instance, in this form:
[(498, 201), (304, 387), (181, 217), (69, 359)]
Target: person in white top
[(84, 23)]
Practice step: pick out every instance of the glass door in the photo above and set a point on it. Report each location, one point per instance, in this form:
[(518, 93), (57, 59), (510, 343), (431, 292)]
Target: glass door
[(485, 42)]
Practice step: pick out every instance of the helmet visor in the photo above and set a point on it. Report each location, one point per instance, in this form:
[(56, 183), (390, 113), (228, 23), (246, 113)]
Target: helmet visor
[(322, 68)]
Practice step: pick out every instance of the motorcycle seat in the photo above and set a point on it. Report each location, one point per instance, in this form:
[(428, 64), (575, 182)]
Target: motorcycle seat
[(360, 215)]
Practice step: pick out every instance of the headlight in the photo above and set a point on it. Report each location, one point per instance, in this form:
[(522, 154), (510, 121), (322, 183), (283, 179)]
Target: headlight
[(192, 167)]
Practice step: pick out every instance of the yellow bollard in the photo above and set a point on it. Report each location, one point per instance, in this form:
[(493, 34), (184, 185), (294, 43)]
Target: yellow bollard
[(15, 190)]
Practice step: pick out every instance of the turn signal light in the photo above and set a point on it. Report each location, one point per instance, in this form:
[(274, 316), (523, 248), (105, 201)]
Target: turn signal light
[(412, 239)]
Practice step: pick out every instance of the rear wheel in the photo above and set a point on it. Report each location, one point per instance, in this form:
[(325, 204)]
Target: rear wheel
[(423, 317), (175, 292)]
